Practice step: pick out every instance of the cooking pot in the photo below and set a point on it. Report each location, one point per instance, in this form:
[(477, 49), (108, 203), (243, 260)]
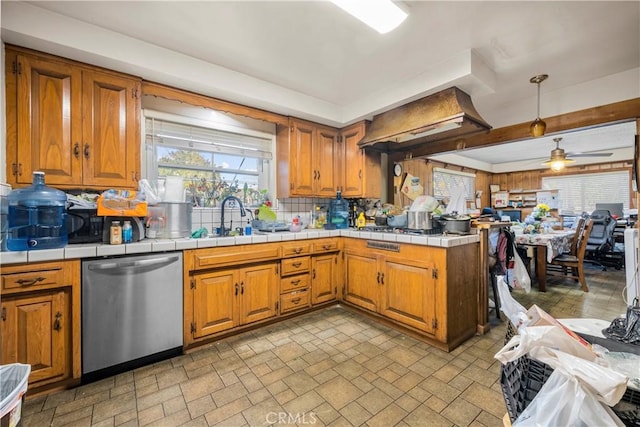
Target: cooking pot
[(456, 224), (419, 220)]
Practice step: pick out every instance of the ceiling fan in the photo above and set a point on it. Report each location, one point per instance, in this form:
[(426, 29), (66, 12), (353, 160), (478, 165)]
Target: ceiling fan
[(559, 159)]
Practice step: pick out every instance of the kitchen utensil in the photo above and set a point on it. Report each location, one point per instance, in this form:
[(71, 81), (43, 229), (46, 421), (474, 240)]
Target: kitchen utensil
[(419, 220), (456, 224), (399, 221)]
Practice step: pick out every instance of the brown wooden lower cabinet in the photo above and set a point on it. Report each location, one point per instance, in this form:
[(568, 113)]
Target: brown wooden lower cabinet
[(226, 298), (40, 320), (227, 289), (430, 290)]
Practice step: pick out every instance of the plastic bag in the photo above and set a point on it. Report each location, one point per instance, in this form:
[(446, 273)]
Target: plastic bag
[(563, 402), (531, 337), (626, 329), (509, 306), (517, 276), (604, 383)]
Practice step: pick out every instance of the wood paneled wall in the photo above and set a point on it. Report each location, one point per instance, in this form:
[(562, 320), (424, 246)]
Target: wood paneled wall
[(525, 180), (423, 168)]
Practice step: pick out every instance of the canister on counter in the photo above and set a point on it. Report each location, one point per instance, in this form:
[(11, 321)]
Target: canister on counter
[(115, 235)]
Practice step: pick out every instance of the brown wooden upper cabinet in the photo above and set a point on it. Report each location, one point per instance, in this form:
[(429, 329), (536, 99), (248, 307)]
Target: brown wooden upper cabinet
[(361, 173), (78, 124), (317, 161)]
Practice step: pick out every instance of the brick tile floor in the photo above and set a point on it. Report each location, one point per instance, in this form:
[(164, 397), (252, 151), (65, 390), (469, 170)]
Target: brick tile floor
[(333, 367)]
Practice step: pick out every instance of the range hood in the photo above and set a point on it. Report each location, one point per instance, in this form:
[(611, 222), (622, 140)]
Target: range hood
[(443, 115)]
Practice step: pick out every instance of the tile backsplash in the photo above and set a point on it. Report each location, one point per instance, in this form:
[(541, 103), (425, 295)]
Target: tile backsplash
[(285, 209)]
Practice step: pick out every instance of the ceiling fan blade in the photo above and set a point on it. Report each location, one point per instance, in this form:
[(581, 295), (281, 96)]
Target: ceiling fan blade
[(589, 154)]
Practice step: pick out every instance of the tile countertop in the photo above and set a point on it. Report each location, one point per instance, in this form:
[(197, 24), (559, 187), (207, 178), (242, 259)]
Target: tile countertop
[(92, 250)]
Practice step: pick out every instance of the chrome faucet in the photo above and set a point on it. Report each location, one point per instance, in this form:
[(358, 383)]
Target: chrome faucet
[(223, 230)]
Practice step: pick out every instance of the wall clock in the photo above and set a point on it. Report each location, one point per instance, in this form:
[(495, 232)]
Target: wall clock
[(397, 169)]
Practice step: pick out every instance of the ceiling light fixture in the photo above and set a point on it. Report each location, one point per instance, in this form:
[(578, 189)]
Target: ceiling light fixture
[(381, 15), (538, 126), (558, 159)]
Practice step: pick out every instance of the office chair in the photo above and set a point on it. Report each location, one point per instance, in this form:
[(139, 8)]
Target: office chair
[(601, 241)]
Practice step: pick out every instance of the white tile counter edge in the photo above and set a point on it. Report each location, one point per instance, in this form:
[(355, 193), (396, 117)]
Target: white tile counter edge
[(164, 245)]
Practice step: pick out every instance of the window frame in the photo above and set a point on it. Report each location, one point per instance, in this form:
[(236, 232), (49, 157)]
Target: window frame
[(150, 165)]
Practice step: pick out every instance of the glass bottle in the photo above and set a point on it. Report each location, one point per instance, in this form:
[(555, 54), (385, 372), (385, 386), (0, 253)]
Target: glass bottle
[(115, 235)]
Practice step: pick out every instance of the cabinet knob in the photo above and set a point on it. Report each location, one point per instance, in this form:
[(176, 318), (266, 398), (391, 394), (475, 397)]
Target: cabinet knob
[(3, 313), (86, 151), (76, 150), (236, 286), (242, 288)]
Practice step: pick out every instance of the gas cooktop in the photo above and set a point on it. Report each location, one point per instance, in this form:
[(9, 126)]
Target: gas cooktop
[(401, 230)]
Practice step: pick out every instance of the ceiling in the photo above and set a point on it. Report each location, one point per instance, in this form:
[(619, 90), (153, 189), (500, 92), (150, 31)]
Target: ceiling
[(311, 60)]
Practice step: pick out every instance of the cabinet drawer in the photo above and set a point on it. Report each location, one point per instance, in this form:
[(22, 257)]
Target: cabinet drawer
[(294, 301), (230, 255), (33, 279), (295, 249), (325, 245), (295, 265), (292, 283)]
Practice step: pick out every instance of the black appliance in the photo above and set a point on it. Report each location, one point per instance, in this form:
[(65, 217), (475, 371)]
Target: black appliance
[(84, 225)]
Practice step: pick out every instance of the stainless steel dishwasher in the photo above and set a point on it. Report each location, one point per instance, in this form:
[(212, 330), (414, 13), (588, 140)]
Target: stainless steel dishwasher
[(131, 312)]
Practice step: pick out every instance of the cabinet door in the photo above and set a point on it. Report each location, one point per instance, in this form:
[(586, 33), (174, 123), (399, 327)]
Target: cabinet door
[(361, 170), (361, 281), (49, 128), (323, 278), (214, 302), (34, 331), (259, 292), (326, 159), (408, 295), (301, 165), (111, 127)]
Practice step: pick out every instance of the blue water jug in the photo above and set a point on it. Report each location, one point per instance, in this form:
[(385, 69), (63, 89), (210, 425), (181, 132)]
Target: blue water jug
[(339, 211), (36, 217)]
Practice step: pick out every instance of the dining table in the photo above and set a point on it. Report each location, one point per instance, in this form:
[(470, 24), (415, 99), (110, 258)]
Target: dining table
[(548, 245)]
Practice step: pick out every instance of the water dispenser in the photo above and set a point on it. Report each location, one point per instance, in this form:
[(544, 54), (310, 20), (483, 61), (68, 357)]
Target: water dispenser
[(37, 217)]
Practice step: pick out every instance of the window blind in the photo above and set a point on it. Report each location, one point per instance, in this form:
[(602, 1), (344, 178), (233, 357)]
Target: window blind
[(580, 193)]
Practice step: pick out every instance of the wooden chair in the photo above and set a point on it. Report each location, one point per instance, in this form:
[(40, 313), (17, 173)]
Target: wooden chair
[(576, 237), (574, 263)]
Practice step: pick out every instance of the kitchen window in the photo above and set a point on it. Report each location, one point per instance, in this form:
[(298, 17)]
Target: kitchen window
[(446, 180), (215, 161), (580, 193)]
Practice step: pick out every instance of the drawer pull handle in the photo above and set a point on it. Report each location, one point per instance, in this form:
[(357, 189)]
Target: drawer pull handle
[(76, 150), (295, 282), (29, 282), (297, 250), (378, 278), (3, 313), (382, 278), (86, 151), (296, 300), (296, 264), (236, 286), (56, 323), (242, 288), (326, 247)]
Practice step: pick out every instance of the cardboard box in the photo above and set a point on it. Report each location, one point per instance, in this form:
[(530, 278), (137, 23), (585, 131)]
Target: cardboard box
[(124, 204)]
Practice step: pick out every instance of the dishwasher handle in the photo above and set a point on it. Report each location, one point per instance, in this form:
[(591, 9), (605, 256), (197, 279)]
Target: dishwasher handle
[(154, 262)]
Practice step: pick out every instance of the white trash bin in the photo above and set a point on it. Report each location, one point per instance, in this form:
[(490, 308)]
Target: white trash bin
[(14, 379)]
